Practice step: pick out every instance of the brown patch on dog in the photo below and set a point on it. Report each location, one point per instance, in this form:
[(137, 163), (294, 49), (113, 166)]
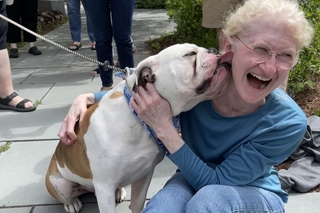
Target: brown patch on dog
[(145, 77), (74, 156), (116, 94)]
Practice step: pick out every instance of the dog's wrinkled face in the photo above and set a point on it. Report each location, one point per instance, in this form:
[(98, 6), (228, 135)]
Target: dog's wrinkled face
[(185, 74)]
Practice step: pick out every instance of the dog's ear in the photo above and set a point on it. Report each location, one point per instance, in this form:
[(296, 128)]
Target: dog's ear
[(145, 76), (145, 72)]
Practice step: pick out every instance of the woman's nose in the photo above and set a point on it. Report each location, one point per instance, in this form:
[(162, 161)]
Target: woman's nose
[(270, 66)]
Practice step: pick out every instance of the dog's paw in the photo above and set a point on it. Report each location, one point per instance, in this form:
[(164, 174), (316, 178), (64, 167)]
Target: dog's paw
[(120, 194), (75, 206)]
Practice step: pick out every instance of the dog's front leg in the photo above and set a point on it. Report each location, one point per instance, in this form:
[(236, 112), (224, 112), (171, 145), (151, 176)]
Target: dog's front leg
[(105, 197), (139, 190)]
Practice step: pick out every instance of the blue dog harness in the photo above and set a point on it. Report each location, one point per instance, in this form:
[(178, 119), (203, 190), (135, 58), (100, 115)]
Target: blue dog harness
[(128, 95)]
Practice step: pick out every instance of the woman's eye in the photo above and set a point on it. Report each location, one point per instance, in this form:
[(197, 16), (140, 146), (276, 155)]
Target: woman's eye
[(261, 50), (190, 54)]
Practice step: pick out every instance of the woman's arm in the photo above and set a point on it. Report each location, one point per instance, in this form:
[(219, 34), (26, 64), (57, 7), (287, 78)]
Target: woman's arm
[(76, 112)]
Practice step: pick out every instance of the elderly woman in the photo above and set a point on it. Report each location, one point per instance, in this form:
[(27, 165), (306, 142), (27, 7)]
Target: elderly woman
[(230, 144)]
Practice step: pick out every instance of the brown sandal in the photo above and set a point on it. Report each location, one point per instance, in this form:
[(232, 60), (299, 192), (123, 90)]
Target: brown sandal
[(77, 46)]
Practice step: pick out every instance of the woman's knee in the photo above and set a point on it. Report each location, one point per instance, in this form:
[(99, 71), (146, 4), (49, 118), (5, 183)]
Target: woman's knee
[(173, 197), (219, 198)]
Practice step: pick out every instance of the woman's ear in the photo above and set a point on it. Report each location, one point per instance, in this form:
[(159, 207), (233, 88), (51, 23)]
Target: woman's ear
[(226, 44)]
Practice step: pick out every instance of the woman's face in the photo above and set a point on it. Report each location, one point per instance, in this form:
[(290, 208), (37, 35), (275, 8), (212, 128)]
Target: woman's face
[(253, 77)]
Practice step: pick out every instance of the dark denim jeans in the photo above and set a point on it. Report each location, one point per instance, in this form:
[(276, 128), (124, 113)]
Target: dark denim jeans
[(111, 19)]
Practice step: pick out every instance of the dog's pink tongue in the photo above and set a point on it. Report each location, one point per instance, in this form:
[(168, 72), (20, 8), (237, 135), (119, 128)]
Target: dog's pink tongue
[(254, 82)]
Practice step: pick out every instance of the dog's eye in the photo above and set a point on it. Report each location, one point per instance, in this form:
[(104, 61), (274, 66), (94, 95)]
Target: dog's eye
[(190, 54)]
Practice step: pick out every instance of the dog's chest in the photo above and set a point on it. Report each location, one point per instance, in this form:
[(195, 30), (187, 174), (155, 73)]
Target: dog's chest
[(116, 141)]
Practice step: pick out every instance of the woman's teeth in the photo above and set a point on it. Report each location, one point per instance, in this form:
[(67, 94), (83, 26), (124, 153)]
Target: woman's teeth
[(257, 81), (259, 77)]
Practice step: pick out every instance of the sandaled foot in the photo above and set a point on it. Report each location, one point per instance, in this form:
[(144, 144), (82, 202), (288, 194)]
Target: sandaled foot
[(117, 64), (93, 46), (95, 71), (75, 46), (134, 48), (16, 103)]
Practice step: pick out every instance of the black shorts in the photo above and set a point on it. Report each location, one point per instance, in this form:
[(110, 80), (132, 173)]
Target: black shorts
[(3, 26)]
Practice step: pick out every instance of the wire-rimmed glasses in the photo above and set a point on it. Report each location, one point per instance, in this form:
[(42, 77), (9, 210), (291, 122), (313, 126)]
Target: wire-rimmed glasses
[(285, 59)]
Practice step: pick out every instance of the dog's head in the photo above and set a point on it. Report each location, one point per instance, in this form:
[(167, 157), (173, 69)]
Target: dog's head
[(185, 74)]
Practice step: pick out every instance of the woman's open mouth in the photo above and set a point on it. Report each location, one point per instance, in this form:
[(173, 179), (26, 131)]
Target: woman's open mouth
[(206, 83), (257, 81)]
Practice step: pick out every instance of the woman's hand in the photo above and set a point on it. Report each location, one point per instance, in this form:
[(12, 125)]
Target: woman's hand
[(152, 108), (76, 112), (156, 112)]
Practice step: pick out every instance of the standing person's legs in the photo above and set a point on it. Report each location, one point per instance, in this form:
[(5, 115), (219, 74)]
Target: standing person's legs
[(122, 12), (73, 8), (29, 14), (90, 29), (14, 33), (99, 12), (173, 198), (225, 199), (7, 99)]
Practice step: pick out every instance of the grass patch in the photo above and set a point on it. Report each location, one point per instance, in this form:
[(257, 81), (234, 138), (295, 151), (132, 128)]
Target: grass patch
[(5, 147)]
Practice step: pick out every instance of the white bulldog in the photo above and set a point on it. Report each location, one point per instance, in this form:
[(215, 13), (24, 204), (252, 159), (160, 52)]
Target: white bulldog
[(113, 148)]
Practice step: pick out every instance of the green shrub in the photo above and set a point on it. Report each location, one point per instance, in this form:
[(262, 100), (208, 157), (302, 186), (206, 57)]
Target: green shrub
[(151, 4), (309, 65), (188, 17)]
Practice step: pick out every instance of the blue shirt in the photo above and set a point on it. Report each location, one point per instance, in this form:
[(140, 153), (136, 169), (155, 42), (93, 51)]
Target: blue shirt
[(240, 150)]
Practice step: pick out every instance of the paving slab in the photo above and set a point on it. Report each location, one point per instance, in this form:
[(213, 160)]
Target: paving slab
[(303, 203), (72, 75), (22, 173), (20, 75), (43, 123), (16, 210)]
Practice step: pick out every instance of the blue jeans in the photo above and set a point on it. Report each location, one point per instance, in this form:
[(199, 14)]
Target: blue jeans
[(73, 7), (111, 19), (178, 196)]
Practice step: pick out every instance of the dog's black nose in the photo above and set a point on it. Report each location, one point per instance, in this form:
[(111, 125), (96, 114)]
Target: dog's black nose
[(213, 50)]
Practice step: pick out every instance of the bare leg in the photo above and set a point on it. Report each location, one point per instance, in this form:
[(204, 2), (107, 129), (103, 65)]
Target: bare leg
[(6, 87), (13, 45)]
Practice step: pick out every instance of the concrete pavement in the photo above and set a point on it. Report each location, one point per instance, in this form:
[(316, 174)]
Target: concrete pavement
[(53, 80)]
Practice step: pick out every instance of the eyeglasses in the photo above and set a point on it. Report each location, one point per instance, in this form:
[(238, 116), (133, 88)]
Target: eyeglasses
[(285, 59)]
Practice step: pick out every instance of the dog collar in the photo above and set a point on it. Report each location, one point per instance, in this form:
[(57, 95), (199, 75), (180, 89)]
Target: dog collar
[(175, 120), (124, 75)]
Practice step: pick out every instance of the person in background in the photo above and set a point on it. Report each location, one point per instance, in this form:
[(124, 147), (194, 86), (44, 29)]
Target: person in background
[(111, 19), (9, 100), (73, 7), (214, 13), (25, 13), (231, 142)]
